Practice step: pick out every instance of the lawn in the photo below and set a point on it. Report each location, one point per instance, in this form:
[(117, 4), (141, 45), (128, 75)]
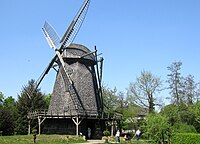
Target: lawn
[(42, 139)]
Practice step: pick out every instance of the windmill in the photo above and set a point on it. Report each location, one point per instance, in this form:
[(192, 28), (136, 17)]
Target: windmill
[(76, 103)]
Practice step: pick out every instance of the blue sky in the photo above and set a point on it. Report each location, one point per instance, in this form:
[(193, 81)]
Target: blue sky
[(133, 35)]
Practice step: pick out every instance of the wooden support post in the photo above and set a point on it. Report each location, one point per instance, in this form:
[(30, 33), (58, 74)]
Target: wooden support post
[(112, 128), (39, 123), (29, 127), (77, 122)]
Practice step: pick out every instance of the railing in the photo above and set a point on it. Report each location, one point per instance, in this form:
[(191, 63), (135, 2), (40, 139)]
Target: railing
[(72, 113)]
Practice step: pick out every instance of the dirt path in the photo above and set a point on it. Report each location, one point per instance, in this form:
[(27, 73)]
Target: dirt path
[(94, 141)]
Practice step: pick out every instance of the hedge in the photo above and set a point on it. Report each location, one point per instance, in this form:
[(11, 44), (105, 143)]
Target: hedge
[(186, 138)]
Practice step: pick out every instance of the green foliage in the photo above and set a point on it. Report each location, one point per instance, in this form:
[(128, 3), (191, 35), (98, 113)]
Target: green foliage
[(106, 133), (196, 110), (130, 114), (186, 138), (157, 128), (9, 103), (184, 128), (7, 114), (47, 99), (6, 122), (170, 111), (28, 101), (42, 139), (110, 99)]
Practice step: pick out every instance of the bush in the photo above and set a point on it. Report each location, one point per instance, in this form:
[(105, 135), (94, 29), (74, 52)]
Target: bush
[(106, 133), (186, 138), (34, 131), (157, 128), (184, 128)]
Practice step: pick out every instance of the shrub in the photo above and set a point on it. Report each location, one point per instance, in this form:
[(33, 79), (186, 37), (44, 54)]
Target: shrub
[(184, 128), (186, 138), (34, 131), (106, 133), (157, 128)]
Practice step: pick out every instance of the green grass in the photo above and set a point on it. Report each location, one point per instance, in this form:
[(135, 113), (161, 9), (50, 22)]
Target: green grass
[(42, 139)]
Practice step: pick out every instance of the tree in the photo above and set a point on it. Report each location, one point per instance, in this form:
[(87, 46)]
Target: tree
[(171, 112), (189, 90), (1, 98), (28, 101), (132, 116), (143, 91), (175, 83), (195, 109), (110, 99), (6, 122), (7, 114), (10, 104), (47, 99)]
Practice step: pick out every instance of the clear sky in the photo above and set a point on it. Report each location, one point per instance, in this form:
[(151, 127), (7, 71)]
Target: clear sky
[(133, 35)]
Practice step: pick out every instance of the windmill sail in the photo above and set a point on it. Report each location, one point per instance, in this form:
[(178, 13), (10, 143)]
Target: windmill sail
[(51, 35), (45, 72), (75, 25)]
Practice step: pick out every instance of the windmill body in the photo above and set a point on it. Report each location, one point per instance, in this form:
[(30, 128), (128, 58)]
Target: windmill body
[(83, 106), (85, 100)]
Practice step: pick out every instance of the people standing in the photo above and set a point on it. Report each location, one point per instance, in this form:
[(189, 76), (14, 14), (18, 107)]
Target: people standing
[(118, 136), (89, 133), (137, 134)]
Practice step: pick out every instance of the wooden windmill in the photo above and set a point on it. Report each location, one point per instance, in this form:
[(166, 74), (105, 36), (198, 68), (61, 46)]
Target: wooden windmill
[(76, 81), (76, 104)]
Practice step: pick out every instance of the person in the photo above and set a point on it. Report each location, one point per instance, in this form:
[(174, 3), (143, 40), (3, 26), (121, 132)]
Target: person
[(137, 134), (118, 136), (89, 133), (125, 137), (34, 137)]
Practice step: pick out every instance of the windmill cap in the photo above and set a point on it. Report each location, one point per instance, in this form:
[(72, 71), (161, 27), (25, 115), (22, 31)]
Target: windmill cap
[(78, 51)]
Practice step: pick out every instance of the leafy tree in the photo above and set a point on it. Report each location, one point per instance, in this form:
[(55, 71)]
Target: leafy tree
[(9, 102), (28, 101), (110, 99), (184, 128), (143, 91), (7, 114), (122, 103), (130, 116), (47, 99), (6, 121), (171, 112), (157, 128), (195, 110)]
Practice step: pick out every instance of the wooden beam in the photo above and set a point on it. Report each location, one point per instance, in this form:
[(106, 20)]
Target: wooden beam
[(77, 122), (40, 122), (29, 127)]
